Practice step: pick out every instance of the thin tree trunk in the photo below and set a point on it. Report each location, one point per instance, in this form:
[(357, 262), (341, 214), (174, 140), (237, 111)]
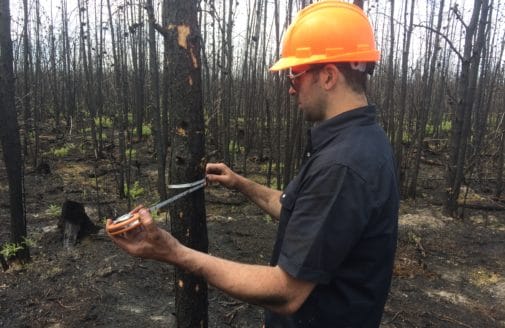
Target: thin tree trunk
[(466, 91), (9, 134), (120, 96), (188, 153), (403, 90), (388, 105), (154, 103), (27, 76), (427, 101)]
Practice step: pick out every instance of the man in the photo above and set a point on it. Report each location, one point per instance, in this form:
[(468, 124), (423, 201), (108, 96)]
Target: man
[(333, 257)]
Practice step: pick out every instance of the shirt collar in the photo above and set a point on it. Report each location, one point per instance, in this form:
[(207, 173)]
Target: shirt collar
[(328, 129)]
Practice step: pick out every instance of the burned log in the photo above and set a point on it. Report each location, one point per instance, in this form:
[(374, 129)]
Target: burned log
[(75, 223)]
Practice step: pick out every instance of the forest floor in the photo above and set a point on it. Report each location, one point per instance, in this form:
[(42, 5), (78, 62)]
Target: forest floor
[(448, 272)]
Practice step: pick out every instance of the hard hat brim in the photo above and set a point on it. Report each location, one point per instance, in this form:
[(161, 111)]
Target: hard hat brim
[(288, 62)]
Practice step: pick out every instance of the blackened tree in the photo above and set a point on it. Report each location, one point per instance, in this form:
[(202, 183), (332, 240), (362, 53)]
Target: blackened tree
[(9, 134)]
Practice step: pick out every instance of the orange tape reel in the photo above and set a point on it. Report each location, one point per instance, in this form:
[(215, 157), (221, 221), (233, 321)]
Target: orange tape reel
[(124, 224)]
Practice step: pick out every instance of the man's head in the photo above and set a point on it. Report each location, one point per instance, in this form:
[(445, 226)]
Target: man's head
[(329, 40)]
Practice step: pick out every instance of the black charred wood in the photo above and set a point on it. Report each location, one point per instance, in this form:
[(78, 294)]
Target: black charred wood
[(75, 223)]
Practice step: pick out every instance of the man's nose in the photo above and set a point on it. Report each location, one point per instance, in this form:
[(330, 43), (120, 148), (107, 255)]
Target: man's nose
[(292, 91)]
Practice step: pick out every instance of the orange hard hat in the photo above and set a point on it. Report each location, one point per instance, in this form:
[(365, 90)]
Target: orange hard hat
[(328, 31)]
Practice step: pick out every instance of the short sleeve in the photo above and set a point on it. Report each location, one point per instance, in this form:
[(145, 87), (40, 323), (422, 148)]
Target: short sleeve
[(329, 212)]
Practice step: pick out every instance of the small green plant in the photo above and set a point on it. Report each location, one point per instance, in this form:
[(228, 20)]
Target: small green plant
[(132, 152), (234, 147), (429, 129), (104, 136), (406, 138), (10, 250), (53, 210), (63, 151), (28, 242), (106, 121), (446, 126), (267, 218), (146, 130), (135, 191)]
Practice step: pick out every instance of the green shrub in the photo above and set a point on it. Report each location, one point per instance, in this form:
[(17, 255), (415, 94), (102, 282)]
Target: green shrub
[(146, 130), (406, 138), (446, 126), (106, 121), (62, 151), (234, 147), (53, 210), (132, 152), (135, 190), (429, 129), (11, 249)]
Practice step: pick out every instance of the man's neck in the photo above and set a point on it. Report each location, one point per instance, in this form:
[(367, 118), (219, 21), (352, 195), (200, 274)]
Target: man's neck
[(345, 102)]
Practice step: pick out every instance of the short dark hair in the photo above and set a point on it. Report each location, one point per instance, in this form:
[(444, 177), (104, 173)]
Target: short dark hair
[(356, 79)]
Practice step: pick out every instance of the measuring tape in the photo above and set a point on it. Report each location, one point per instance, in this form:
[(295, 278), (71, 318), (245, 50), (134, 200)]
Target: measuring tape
[(130, 221)]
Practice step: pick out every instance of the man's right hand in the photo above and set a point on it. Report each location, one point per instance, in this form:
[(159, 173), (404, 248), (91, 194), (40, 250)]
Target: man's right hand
[(219, 172), (267, 199)]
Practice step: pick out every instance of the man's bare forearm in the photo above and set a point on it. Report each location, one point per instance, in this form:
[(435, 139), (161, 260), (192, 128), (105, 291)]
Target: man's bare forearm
[(266, 286), (267, 199)]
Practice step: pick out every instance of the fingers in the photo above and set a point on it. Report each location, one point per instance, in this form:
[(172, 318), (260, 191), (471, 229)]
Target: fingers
[(136, 209), (215, 168), (146, 220), (218, 172)]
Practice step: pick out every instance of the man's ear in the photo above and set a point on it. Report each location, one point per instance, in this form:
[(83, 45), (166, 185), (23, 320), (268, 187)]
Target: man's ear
[(332, 76)]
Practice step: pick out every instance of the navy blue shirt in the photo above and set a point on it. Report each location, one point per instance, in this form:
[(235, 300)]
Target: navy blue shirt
[(338, 224)]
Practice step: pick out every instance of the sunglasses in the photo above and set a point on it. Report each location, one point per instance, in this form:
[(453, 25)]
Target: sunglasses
[(294, 78)]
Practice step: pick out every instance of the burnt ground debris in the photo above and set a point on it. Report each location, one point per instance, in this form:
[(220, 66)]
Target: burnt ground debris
[(448, 272)]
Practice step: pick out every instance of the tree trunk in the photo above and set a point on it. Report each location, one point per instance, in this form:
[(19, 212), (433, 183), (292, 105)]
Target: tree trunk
[(501, 161), (187, 158), (388, 104), (120, 96), (154, 103), (427, 101), (403, 90), (466, 91), (9, 133), (27, 76)]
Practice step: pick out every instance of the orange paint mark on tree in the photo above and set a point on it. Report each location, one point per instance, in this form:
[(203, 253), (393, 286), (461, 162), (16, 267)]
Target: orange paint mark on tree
[(181, 132), (193, 58), (182, 35)]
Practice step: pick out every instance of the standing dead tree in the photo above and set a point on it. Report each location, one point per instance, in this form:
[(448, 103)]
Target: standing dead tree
[(461, 123), (154, 103), (188, 152), (399, 134), (9, 134), (183, 80), (426, 102)]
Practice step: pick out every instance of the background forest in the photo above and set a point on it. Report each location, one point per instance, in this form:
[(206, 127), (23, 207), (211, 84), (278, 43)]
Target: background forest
[(83, 66), (93, 83)]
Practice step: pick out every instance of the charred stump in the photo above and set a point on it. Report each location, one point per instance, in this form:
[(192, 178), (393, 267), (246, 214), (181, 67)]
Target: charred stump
[(75, 223)]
